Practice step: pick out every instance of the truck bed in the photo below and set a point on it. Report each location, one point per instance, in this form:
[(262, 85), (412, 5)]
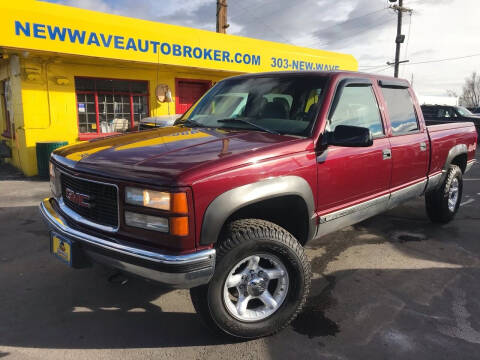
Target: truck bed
[(444, 137)]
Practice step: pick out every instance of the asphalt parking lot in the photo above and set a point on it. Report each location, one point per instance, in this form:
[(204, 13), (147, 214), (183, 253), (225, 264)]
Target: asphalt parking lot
[(393, 287)]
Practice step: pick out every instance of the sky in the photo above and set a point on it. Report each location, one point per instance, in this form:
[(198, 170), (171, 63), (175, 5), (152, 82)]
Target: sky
[(436, 30)]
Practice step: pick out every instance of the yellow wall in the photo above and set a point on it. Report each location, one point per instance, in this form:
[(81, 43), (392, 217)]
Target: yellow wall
[(49, 113)]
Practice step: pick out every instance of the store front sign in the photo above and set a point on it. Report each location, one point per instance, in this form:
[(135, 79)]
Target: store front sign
[(111, 36)]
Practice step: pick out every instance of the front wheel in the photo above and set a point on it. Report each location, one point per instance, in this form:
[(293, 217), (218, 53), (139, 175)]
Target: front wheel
[(261, 281)]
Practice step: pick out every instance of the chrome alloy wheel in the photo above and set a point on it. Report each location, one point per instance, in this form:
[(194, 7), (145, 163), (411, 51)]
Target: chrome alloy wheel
[(453, 195), (256, 287)]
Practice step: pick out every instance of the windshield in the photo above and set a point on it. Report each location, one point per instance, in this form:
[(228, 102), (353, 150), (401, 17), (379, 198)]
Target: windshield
[(284, 105), (463, 111)]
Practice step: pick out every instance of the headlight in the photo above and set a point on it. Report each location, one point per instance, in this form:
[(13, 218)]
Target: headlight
[(149, 198), (146, 221), (174, 202), (176, 223), (54, 181)]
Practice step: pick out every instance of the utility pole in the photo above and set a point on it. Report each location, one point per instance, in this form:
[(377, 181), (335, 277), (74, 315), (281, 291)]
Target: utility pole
[(400, 38), (222, 16)]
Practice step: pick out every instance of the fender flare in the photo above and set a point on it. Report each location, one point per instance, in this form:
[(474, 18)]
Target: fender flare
[(458, 149), (224, 205)]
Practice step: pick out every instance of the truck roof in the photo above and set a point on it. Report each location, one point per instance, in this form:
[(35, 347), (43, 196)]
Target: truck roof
[(324, 74)]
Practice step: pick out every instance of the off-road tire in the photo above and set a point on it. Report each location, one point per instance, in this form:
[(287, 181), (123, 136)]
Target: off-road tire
[(241, 239), (436, 201)]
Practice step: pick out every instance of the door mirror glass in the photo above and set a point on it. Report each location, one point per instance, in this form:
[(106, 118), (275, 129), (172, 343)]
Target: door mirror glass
[(350, 136)]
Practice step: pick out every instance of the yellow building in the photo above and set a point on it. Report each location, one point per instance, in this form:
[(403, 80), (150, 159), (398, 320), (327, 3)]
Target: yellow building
[(68, 74)]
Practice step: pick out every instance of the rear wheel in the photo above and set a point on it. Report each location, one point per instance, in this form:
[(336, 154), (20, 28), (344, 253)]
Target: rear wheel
[(442, 204), (261, 281)]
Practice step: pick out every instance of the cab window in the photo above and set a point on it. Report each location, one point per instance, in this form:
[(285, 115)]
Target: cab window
[(358, 107), (401, 111)]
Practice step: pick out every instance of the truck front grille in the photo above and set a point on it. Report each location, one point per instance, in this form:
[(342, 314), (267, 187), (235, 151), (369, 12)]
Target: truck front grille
[(94, 201)]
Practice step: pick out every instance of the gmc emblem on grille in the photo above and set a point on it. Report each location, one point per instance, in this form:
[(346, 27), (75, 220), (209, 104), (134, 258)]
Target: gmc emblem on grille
[(77, 198)]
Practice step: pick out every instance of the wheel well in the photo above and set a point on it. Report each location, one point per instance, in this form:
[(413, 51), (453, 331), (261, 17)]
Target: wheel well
[(289, 212), (460, 161)]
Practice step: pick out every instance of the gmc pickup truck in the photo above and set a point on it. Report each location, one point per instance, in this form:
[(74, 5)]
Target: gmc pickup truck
[(224, 201)]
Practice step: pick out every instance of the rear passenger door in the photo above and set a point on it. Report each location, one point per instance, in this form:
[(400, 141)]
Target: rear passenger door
[(348, 176), (408, 139)]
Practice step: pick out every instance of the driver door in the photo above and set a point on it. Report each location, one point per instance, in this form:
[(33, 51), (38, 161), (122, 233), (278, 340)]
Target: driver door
[(350, 176)]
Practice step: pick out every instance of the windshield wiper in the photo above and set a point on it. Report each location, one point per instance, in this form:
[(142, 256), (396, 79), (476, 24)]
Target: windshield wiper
[(239, 120)]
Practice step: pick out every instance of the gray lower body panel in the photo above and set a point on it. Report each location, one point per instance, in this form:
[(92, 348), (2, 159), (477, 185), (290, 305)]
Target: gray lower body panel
[(357, 213)]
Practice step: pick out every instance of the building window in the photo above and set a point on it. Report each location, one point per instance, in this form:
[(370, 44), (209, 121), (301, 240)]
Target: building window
[(107, 106)]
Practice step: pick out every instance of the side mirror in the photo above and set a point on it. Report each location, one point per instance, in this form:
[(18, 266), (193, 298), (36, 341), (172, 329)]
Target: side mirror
[(350, 136)]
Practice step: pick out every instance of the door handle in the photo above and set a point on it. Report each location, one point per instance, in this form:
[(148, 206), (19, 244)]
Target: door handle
[(387, 154), (423, 146)]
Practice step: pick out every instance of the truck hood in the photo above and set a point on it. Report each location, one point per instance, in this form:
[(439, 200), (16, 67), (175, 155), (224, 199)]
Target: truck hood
[(173, 155)]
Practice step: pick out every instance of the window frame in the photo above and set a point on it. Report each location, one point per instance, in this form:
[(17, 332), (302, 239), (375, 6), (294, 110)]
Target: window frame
[(130, 94), (360, 82)]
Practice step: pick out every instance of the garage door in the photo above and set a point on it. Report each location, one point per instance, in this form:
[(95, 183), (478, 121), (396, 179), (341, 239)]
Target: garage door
[(187, 92)]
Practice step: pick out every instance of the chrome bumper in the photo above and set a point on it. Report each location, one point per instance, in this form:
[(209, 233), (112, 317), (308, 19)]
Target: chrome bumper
[(179, 271)]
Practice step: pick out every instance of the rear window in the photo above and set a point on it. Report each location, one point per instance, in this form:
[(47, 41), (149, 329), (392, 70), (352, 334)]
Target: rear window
[(401, 111)]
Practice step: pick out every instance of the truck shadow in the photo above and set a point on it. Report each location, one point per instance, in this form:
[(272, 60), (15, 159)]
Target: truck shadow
[(388, 314), (45, 304), (412, 250), (65, 310)]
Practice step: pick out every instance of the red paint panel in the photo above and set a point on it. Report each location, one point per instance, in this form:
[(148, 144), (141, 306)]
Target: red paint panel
[(446, 136), (409, 162), (349, 175)]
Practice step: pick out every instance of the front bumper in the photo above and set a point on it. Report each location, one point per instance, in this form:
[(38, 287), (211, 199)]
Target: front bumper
[(179, 271)]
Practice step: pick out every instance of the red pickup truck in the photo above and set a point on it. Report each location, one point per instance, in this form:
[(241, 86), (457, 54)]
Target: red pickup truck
[(224, 201)]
